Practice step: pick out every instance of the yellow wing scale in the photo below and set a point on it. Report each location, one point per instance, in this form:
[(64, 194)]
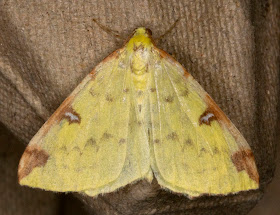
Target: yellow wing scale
[(138, 114)]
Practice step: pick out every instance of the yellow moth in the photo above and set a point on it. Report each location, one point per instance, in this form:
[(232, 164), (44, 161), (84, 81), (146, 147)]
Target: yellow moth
[(139, 115)]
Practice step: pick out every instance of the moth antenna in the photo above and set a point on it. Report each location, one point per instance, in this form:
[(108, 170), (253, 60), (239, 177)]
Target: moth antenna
[(108, 30), (169, 30)]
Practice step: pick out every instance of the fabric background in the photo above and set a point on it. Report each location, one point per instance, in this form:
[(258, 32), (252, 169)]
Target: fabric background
[(47, 47)]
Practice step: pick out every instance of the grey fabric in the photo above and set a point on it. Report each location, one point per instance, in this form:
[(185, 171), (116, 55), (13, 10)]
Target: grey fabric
[(231, 47), (17, 200)]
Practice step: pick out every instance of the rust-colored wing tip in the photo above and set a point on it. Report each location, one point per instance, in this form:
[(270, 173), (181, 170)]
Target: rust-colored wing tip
[(244, 160), (32, 157)]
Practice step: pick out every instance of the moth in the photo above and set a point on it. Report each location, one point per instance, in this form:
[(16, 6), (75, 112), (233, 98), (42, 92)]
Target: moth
[(139, 115)]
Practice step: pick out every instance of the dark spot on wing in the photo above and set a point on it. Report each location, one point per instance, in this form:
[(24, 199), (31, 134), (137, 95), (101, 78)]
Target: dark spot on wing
[(121, 141), (92, 92), (149, 134), (140, 108), (147, 71), (63, 148), (109, 98), (244, 160), (107, 135), (203, 150), (173, 136), (185, 92), (139, 93), (201, 171), (64, 166), (157, 141), (216, 150), (188, 142), (169, 99), (92, 143), (33, 157), (153, 90), (77, 149), (126, 90)]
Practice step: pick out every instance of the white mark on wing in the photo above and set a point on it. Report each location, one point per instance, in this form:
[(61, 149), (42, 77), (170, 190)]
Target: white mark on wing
[(72, 116), (207, 117)]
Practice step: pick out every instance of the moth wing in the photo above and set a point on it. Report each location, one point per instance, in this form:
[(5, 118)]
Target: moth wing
[(86, 143), (196, 149)]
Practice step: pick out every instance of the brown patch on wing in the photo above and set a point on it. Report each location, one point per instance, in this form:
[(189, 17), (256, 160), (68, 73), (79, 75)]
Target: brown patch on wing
[(207, 117), (32, 157), (244, 160), (214, 108), (71, 115), (171, 59)]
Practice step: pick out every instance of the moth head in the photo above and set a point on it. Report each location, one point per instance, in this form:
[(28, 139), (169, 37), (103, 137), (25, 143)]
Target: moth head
[(140, 39)]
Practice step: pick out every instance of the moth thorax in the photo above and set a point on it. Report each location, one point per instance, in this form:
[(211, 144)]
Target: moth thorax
[(139, 62)]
